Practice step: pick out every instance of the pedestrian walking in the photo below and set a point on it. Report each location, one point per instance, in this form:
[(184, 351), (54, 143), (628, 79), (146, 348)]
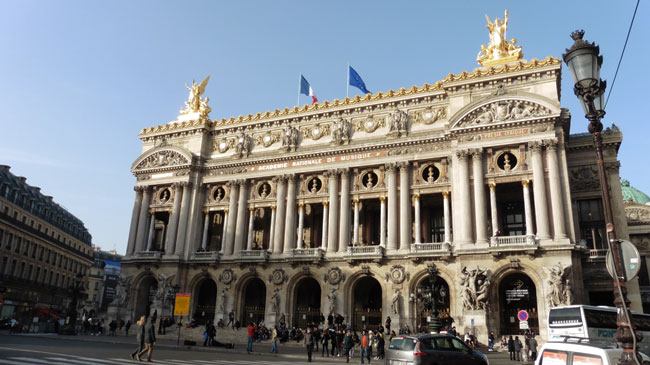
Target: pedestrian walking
[(126, 328), (518, 347), (491, 341), (365, 343), (533, 347), (139, 336), (274, 340), (309, 343), (325, 343), (149, 339), (387, 324), (348, 343), (251, 333), (511, 348), (231, 320)]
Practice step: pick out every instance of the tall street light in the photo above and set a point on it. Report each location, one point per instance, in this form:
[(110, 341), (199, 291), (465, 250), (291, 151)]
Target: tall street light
[(76, 289), (584, 61)]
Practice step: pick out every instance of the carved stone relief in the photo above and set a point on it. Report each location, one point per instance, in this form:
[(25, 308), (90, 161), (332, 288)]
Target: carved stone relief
[(637, 213), (560, 291), (503, 111), (334, 276), (227, 277), (341, 132), (163, 159), (397, 122), (430, 115), (584, 178), (397, 275), (474, 288), (278, 277)]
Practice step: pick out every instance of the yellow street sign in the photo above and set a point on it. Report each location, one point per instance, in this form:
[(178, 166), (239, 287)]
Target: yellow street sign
[(182, 305)]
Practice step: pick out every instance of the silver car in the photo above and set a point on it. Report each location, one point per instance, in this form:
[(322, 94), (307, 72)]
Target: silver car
[(436, 349)]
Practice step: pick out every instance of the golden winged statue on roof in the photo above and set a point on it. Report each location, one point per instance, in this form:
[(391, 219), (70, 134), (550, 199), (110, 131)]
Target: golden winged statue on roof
[(194, 101), (499, 50)]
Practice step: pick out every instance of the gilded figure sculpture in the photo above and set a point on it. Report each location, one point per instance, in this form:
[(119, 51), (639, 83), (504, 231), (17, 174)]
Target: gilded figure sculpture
[(194, 103), (499, 50)]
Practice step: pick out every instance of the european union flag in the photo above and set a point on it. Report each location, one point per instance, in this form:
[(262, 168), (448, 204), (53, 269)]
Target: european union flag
[(356, 81)]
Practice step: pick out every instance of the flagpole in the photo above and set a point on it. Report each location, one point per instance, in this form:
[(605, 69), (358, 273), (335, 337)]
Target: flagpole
[(347, 90), (299, 82)]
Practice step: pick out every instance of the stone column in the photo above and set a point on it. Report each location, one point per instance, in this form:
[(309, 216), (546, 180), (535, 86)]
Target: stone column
[(447, 216), (539, 191), (527, 208), (344, 228), (324, 233), (142, 220), (355, 235), (204, 238), (232, 214), (333, 229), (133, 231), (281, 184), (173, 219), (418, 226), (559, 230), (152, 223), (301, 224), (493, 209), (290, 224), (406, 236), (464, 230), (272, 233), (223, 231), (182, 223), (249, 238), (480, 208), (240, 230), (382, 223), (393, 225)]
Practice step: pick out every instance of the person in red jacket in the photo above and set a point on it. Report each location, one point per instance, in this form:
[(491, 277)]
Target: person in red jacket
[(251, 332)]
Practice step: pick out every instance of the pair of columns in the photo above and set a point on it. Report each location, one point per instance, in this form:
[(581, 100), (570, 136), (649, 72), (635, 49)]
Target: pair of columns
[(447, 217), (141, 234), (541, 218), (398, 229)]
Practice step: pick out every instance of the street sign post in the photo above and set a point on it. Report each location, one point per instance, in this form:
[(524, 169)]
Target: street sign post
[(522, 315), (181, 308), (631, 261), (523, 325)]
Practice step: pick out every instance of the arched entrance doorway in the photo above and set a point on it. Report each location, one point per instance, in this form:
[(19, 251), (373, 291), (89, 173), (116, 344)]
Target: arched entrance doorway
[(206, 298), (307, 302), (517, 292), (367, 300), (254, 301), (441, 296), (145, 297)]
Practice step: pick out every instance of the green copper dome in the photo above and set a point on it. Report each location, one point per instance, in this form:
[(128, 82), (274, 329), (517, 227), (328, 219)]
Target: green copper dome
[(632, 194)]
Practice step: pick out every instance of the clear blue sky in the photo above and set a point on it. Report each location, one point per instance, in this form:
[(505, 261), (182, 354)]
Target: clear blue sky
[(80, 79)]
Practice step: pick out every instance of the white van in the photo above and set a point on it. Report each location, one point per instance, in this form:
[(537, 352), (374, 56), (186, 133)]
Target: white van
[(573, 353)]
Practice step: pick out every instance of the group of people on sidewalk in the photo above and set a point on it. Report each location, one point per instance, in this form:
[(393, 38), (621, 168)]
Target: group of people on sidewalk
[(518, 351)]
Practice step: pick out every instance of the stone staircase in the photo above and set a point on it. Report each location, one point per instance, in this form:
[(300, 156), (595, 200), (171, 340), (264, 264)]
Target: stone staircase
[(224, 335)]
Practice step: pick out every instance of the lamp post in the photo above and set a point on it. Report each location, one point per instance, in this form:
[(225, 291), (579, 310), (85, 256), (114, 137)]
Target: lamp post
[(76, 290), (427, 298), (584, 61)]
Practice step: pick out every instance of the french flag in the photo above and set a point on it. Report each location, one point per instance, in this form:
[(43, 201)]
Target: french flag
[(306, 89)]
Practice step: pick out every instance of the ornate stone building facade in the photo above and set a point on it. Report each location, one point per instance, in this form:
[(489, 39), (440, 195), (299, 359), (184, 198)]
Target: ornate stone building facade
[(42, 248), (339, 207)]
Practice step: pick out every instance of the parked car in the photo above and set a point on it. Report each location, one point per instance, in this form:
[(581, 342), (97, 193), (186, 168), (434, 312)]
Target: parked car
[(432, 349), (574, 353)]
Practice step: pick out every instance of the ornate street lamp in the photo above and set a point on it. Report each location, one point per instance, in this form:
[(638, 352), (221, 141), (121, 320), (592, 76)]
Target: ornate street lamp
[(76, 290), (584, 61), (427, 298)]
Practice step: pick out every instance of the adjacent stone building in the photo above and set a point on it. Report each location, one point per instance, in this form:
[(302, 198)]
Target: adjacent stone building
[(339, 207), (102, 282), (42, 248)]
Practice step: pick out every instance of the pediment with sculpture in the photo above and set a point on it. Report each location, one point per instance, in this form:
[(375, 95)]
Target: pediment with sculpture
[(500, 111), (162, 158)]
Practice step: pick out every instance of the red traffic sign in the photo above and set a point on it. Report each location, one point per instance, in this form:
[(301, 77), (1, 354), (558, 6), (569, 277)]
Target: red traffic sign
[(522, 315)]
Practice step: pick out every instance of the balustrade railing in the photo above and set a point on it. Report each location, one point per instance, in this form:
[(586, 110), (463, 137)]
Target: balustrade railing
[(429, 247), (365, 250), (597, 253), (500, 241), (149, 254), (307, 253), (253, 255)]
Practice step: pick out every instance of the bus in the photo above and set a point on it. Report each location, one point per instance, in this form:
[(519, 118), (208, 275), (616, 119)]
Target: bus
[(597, 324)]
